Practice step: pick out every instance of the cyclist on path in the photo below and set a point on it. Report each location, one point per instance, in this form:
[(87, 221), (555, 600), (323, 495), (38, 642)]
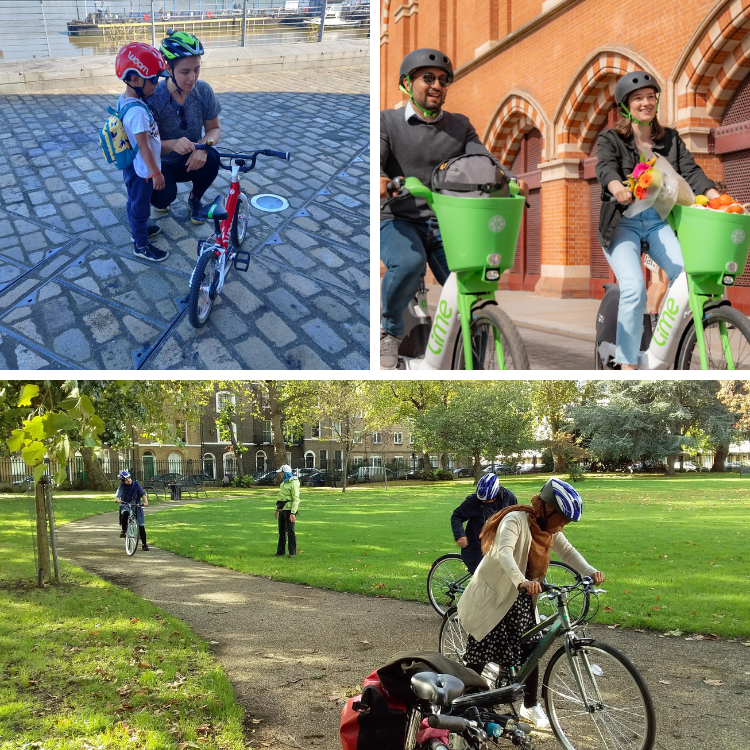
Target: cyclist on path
[(413, 141), (128, 497), (286, 511), (497, 606), (618, 151), (488, 498), (185, 107)]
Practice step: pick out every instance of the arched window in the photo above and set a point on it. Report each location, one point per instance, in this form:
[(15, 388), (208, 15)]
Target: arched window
[(261, 462), (174, 463), (209, 465), (309, 460), (149, 465)]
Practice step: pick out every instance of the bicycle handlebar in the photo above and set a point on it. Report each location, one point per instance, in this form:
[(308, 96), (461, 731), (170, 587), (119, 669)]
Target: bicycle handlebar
[(585, 583), (452, 723), (285, 155)]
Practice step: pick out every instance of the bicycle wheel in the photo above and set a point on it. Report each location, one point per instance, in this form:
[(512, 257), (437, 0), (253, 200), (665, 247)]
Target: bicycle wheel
[(738, 334), (131, 536), (486, 323), (446, 581), (241, 216), (199, 300), (453, 637), (560, 574), (616, 713)]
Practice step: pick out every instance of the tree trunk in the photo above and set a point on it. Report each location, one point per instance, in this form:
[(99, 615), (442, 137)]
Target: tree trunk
[(720, 456), (237, 451), (279, 446), (560, 462), (97, 478), (42, 540), (344, 465), (477, 467), (670, 465)]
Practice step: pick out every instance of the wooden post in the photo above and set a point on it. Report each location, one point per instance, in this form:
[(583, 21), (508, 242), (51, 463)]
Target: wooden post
[(41, 534), (52, 532)]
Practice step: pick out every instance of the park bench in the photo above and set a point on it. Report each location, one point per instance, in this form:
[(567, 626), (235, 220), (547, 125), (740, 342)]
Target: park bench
[(193, 485)]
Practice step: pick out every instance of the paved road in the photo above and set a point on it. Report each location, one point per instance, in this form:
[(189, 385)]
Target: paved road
[(293, 652), (551, 350), (73, 295)]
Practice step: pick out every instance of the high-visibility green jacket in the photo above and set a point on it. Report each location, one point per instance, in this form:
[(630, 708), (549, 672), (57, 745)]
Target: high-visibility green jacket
[(289, 494)]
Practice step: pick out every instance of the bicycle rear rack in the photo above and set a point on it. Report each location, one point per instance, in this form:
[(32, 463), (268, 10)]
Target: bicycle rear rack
[(241, 260)]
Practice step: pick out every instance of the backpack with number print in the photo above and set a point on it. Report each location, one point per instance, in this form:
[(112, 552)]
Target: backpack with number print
[(114, 140)]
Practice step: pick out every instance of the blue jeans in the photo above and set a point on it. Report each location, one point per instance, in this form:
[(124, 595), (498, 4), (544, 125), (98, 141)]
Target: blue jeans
[(138, 205), (624, 256), (406, 247)]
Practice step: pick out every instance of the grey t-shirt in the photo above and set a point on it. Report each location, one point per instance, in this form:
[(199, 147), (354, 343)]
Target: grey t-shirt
[(200, 105)]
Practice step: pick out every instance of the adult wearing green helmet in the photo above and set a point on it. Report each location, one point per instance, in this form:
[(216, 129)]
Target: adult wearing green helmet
[(187, 112)]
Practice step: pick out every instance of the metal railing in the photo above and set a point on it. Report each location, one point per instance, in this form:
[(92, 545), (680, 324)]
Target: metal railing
[(62, 28)]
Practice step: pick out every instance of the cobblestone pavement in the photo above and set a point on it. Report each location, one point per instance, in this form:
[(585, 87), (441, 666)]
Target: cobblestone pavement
[(73, 295)]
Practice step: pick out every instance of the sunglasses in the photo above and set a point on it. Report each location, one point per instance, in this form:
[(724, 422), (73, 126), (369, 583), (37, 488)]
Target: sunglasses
[(182, 122), (430, 78)]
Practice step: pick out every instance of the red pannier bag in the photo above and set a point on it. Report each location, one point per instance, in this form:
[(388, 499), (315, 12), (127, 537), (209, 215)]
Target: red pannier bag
[(374, 720)]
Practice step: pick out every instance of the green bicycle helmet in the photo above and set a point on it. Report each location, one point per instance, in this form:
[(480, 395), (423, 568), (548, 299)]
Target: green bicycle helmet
[(179, 44)]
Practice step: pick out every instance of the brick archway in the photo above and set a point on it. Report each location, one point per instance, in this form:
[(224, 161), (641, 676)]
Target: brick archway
[(713, 66), (583, 109), (515, 116)]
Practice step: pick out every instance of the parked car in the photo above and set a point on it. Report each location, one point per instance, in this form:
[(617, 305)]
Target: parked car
[(529, 469), (690, 466), (463, 473), (373, 474), (319, 479), (265, 478), (498, 469), (732, 466)]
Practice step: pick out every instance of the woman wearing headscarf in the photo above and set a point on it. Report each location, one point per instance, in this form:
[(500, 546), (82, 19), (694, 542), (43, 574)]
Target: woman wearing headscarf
[(497, 607)]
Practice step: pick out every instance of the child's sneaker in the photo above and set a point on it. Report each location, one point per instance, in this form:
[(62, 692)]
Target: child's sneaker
[(161, 211), (535, 715), (195, 207), (152, 253), (153, 231)]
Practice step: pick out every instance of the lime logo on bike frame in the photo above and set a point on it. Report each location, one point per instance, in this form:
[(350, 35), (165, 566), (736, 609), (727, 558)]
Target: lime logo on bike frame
[(440, 328), (738, 236), (497, 224), (666, 321)]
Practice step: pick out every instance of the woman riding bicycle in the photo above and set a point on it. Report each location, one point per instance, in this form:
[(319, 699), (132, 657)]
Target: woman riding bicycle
[(619, 149), (184, 107), (128, 497), (497, 606)]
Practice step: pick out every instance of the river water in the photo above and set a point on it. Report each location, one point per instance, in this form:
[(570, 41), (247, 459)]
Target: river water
[(23, 24)]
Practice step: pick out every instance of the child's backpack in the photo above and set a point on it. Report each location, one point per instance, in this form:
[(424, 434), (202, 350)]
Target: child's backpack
[(471, 176), (114, 140)]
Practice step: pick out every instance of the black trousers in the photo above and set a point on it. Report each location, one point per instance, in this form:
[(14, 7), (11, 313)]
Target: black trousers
[(177, 172), (286, 531)]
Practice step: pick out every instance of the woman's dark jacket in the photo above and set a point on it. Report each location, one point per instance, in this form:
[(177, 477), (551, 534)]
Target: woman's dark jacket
[(476, 513), (617, 157)]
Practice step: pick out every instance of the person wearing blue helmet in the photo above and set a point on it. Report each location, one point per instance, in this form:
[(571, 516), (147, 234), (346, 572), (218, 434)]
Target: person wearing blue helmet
[(129, 496), (497, 606), (488, 498)]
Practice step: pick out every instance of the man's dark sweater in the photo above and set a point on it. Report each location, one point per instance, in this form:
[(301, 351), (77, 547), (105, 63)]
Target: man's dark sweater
[(415, 148)]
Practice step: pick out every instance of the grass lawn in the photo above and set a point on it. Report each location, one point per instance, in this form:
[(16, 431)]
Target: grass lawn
[(88, 665), (676, 551)]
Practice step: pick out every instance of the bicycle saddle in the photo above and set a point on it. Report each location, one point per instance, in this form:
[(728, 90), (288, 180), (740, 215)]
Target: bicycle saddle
[(438, 689), (214, 210)]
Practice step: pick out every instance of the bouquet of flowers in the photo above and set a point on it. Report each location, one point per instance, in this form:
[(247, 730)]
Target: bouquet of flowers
[(654, 182)]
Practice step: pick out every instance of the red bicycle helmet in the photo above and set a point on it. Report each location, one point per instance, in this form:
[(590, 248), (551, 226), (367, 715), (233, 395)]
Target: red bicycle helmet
[(142, 59)]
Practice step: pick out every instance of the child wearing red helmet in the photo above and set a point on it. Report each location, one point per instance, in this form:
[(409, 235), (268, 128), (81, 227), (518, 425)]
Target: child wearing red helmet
[(140, 66)]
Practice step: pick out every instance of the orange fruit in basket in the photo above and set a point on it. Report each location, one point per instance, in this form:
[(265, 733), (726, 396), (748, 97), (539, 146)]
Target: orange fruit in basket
[(735, 208)]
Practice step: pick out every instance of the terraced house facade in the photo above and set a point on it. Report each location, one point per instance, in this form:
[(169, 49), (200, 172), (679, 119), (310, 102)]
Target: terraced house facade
[(537, 80)]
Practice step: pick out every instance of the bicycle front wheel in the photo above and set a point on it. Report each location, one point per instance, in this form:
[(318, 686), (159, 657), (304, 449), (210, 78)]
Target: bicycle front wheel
[(199, 298), (737, 335), (488, 325), (131, 537), (615, 711), (453, 637), (560, 574), (446, 581)]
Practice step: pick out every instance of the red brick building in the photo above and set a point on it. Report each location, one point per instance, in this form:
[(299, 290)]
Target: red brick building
[(537, 79)]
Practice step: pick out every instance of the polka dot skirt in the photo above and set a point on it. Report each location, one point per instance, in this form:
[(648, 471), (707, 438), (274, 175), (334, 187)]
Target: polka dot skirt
[(502, 644)]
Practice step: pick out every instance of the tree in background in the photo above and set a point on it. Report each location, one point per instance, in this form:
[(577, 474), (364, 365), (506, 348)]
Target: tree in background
[(550, 402), (630, 420), (482, 419)]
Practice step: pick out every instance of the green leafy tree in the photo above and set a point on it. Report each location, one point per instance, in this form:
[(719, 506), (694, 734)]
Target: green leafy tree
[(550, 401)]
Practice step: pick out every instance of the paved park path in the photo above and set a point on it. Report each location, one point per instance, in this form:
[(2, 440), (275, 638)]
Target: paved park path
[(73, 295), (293, 652)]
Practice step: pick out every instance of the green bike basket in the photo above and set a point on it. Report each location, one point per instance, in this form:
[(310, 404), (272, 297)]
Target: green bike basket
[(475, 228), (712, 239)]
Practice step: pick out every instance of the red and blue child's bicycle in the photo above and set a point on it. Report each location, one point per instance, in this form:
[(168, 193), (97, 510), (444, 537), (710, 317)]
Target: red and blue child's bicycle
[(217, 254)]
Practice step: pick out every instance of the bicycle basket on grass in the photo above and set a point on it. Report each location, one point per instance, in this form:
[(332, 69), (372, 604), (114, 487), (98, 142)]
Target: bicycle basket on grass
[(712, 239)]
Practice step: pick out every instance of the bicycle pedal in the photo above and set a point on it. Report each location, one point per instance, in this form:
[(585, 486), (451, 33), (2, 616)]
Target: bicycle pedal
[(241, 260)]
